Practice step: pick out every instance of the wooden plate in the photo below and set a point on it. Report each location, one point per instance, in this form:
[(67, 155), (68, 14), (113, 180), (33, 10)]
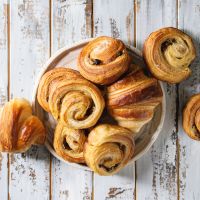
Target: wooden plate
[(67, 57)]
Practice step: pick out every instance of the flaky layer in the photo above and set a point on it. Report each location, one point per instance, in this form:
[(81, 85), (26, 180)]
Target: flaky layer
[(19, 129), (133, 99), (48, 79), (109, 148), (103, 60), (168, 53), (191, 117), (69, 143)]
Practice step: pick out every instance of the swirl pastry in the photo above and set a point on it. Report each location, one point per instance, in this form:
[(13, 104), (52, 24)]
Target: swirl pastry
[(168, 53), (132, 100), (191, 117), (19, 129), (57, 74), (109, 148), (76, 102), (69, 143), (103, 60)]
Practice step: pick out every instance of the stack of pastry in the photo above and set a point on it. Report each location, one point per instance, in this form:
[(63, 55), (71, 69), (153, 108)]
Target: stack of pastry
[(77, 103)]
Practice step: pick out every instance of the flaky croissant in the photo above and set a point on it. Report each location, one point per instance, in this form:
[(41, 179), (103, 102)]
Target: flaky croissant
[(103, 60), (108, 149), (168, 53), (70, 98), (132, 100), (19, 129), (69, 143), (191, 117), (52, 76)]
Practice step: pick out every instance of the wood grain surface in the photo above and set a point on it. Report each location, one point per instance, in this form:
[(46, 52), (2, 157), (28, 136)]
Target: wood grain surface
[(118, 23), (30, 32), (4, 15), (158, 168), (69, 182), (29, 49)]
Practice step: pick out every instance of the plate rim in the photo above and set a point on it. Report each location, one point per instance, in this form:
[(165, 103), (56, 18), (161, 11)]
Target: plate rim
[(155, 135)]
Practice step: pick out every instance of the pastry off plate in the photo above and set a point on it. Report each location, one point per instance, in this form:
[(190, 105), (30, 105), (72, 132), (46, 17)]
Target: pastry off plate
[(67, 57)]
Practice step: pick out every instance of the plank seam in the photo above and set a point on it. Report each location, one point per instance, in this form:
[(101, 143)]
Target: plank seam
[(92, 18), (8, 87), (177, 118), (92, 35), (135, 26), (50, 51)]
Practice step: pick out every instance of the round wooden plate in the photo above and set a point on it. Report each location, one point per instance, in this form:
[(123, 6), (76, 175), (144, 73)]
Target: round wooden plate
[(67, 57)]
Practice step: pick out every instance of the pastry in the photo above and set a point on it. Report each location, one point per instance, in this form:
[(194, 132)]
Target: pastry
[(132, 100), (48, 79), (168, 53), (69, 143), (103, 60), (75, 102), (191, 117), (19, 129), (108, 149)]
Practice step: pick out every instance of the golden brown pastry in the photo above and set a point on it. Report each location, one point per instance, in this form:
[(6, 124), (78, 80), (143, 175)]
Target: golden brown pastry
[(168, 53), (191, 117), (69, 143), (108, 149), (19, 129), (132, 100), (76, 102), (50, 77), (103, 60)]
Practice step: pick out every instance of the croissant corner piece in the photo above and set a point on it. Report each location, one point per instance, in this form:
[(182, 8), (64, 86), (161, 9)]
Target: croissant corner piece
[(19, 129), (191, 117), (103, 60), (168, 53), (108, 149)]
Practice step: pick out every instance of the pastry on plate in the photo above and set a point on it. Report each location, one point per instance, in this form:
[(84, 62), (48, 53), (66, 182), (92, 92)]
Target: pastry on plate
[(103, 60), (191, 117), (48, 79), (132, 100), (68, 143), (108, 149), (168, 53), (70, 98), (19, 129)]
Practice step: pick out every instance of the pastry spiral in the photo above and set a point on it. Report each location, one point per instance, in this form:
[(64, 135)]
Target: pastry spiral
[(132, 100), (168, 53), (108, 149), (69, 143), (103, 60), (76, 102), (50, 77), (19, 129), (191, 117)]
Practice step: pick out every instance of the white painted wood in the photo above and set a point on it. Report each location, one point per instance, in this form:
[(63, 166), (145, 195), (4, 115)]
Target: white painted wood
[(115, 18), (71, 22), (189, 17), (3, 90), (29, 32), (156, 171)]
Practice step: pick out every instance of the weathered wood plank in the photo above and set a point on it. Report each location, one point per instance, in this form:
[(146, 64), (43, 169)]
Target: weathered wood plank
[(29, 32), (189, 17), (115, 19), (4, 16), (71, 22), (156, 171)]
